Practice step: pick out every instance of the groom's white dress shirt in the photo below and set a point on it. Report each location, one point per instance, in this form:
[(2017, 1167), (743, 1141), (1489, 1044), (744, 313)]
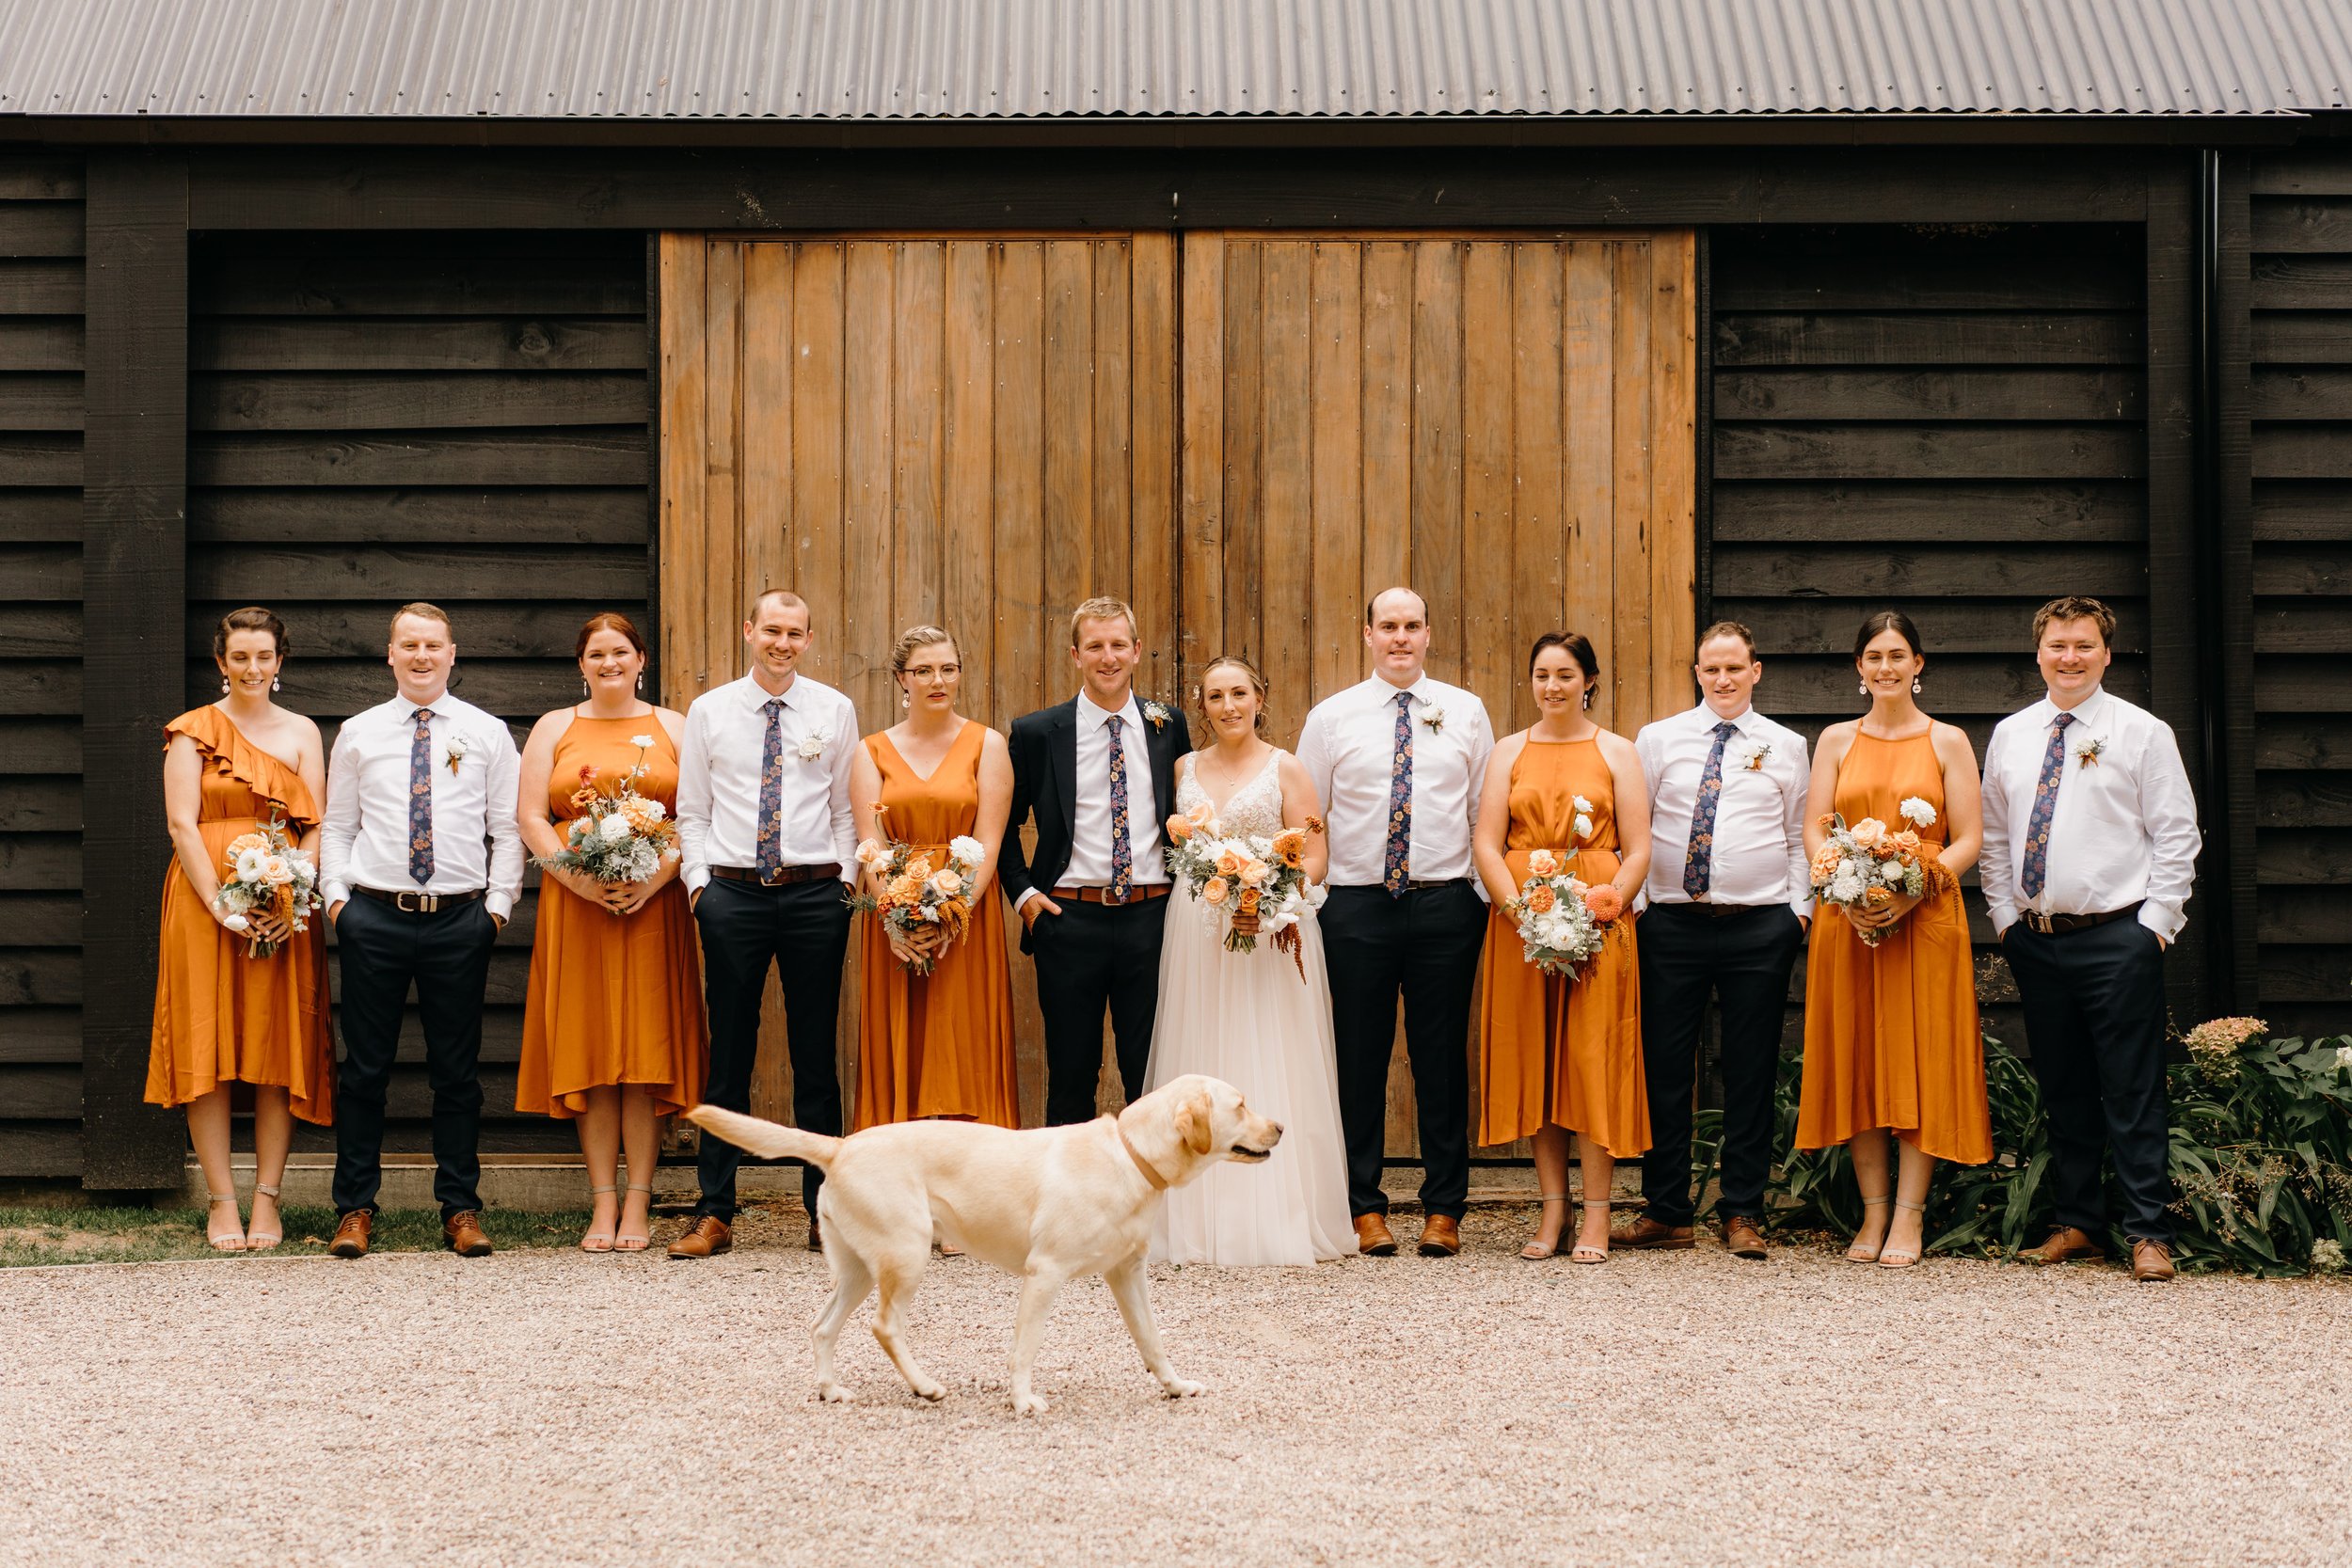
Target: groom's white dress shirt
[(364, 840), (718, 779), (2123, 829), (1348, 748), (1090, 812), (1759, 854)]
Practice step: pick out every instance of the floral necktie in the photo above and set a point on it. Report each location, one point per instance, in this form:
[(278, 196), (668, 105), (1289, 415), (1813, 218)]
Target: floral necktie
[(1699, 869), (1395, 864), (1123, 856), (2037, 872), (420, 799), (769, 857)]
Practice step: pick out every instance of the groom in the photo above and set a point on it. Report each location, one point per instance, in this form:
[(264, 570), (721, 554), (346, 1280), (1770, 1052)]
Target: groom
[(1099, 772)]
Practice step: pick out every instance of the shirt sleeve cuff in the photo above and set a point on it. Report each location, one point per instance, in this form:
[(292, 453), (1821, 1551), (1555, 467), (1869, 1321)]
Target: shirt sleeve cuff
[(334, 894), (1022, 902), (2165, 920), (695, 877), (501, 906)]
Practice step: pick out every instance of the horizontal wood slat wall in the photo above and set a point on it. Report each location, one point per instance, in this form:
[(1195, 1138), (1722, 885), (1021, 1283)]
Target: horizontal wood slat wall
[(40, 642), (457, 419)]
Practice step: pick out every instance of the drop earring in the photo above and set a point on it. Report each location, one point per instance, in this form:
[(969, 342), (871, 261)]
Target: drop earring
[(276, 684), (1863, 687), (1914, 685), (223, 685)]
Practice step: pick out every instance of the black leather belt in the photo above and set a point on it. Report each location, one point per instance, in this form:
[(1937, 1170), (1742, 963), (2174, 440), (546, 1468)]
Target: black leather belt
[(1718, 911), (828, 872), (421, 903), (2059, 925)]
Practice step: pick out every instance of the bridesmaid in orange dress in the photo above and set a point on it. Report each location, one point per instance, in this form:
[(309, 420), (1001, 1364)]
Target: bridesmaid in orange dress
[(941, 1044), (1562, 1057), (223, 1016), (613, 1035), (1891, 1036)]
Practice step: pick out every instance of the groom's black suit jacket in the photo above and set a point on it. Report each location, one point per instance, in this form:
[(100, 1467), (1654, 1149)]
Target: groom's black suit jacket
[(1044, 746)]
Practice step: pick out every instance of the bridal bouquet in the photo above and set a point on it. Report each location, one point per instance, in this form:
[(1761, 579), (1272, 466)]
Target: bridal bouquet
[(265, 873), (619, 835), (1256, 886), (1866, 867), (1560, 918), (918, 895)]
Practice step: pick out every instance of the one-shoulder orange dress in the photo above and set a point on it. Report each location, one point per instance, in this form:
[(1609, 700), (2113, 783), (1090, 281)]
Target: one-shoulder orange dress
[(1568, 1053), (941, 1044), (220, 1016), (1891, 1036), (613, 999)]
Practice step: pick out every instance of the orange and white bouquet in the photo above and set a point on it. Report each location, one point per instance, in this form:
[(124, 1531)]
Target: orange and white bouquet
[(1868, 865), (1253, 885), (266, 875), (1560, 917), (921, 889), (619, 835)]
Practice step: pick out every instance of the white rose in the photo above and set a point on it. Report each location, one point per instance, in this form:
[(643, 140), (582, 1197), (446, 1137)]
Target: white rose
[(1583, 826), (237, 923), (966, 849), (252, 866), (613, 829), (1917, 812), (813, 744)]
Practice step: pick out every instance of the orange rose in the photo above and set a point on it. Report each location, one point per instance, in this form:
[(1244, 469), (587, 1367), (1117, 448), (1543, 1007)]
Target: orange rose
[(1179, 829), (1229, 864), (1605, 902), (583, 798), (1907, 841), (1878, 895), (1249, 900), (1541, 898), (1213, 889), (1543, 862)]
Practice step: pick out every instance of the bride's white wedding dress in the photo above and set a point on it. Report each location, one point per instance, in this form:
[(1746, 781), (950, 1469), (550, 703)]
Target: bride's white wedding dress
[(1249, 1019)]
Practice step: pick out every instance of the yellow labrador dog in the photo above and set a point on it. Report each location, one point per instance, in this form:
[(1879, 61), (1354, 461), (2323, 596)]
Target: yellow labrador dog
[(1048, 1204)]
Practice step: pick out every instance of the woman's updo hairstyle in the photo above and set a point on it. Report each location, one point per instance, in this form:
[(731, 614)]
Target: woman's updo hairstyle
[(918, 636), (251, 618), (608, 621), (1887, 620), (1257, 683), (1580, 648)]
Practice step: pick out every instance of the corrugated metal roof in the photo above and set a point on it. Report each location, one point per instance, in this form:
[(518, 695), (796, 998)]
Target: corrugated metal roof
[(914, 59)]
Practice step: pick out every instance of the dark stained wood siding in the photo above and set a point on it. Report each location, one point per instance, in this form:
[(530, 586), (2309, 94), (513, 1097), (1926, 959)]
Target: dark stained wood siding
[(1942, 420), (41, 671), (2300, 404), (460, 419)]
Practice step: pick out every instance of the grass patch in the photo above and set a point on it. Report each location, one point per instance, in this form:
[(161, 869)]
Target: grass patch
[(31, 1237)]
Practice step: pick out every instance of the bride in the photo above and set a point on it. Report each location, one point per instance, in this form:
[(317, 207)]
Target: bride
[(1250, 1018)]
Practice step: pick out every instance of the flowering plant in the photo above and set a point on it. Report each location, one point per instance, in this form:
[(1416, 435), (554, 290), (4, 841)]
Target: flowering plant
[(2087, 754), (813, 744), (2217, 1045), (1866, 867), (1433, 717), (1757, 755), (1584, 823), (619, 835), (266, 875), (452, 751), (1560, 917), (1253, 885), (918, 896)]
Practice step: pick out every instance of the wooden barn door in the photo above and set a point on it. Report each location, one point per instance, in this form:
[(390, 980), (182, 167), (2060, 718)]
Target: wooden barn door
[(1507, 424), (974, 431)]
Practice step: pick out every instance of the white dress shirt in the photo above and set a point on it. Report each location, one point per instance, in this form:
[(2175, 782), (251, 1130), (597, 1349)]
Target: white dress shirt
[(1090, 812), (1348, 747), (718, 779), (364, 839), (2124, 830), (1758, 856)]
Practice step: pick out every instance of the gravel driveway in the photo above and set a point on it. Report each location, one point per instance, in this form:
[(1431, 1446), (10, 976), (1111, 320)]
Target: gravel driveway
[(552, 1407)]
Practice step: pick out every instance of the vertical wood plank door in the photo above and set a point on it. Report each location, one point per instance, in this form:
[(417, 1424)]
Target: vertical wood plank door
[(974, 431), (1505, 424)]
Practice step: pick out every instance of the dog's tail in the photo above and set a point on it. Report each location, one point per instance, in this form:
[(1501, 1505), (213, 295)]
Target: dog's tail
[(768, 1139)]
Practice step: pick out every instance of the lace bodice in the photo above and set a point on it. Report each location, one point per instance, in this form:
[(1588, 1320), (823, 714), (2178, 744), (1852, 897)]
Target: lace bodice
[(1256, 807)]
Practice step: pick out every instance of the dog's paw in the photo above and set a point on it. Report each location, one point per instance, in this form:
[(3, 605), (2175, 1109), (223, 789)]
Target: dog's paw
[(926, 1389), (832, 1393), (1183, 1389), (1028, 1405)]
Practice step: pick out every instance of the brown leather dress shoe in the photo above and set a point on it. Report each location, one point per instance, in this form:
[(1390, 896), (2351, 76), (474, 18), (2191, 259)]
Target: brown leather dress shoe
[(2151, 1260), (351, 1234), (1744, 1238), (707, 1239), (1441, 1236), (1649, 1235), (1373, 1238), (2066, 1242), (463, 1231)]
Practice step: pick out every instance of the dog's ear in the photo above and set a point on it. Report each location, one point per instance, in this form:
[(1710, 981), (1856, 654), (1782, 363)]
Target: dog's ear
[(1193, 1122)]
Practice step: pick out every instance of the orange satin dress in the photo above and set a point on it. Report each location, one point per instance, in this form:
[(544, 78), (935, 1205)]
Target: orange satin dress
[(613, 999), (222, 1017), (941, 1044), (1568, 1053), (1891, 1037)]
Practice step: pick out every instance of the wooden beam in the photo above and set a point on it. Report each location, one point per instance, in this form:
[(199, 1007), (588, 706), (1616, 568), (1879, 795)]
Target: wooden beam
[(133, 568), (2229, 820)]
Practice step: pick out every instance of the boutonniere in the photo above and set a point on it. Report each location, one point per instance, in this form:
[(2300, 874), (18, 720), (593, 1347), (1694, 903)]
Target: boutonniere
[(452, 751), (1583, 817), (1157, 715), (1433, 717), (813, 744), (2087, 752), (1757, 755)]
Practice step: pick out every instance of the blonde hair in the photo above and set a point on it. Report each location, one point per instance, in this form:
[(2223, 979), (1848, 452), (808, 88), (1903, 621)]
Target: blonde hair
[(423, 612), (1257, 683), (919, 636), (1103, 607), (784, 597)]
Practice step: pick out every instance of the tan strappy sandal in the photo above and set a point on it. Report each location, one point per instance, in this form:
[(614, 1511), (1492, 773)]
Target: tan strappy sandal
[(599, 1240), (1535, 1252), (224, 1240), (1584, 1252), (1906, 1259), (261, 1241), (626, 1242), (1858, 1252)]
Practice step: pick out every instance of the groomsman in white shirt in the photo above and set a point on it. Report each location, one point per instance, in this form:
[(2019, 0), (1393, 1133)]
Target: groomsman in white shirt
[(1400, 759), (2091, 847), (419, 865), (1728, 903), (767, 853)]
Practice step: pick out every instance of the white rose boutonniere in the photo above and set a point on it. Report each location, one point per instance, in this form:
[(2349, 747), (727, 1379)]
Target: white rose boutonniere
[(1757, 755), (452, 751), (1157, 715), (813, 744), (1433, 717), (2087, 752)]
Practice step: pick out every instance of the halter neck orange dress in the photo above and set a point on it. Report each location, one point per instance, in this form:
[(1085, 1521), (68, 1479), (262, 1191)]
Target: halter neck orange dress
[(1555, 1051), (222, 1017), (941, 1044), (613, 999), (1891, 1035)]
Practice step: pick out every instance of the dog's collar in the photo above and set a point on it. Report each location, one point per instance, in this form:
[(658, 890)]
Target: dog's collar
[(1159, 1182)]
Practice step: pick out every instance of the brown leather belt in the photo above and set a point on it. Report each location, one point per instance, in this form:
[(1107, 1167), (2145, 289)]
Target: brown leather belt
[(1136, 894), (781, 876), (421, 903), (2059, 925)]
